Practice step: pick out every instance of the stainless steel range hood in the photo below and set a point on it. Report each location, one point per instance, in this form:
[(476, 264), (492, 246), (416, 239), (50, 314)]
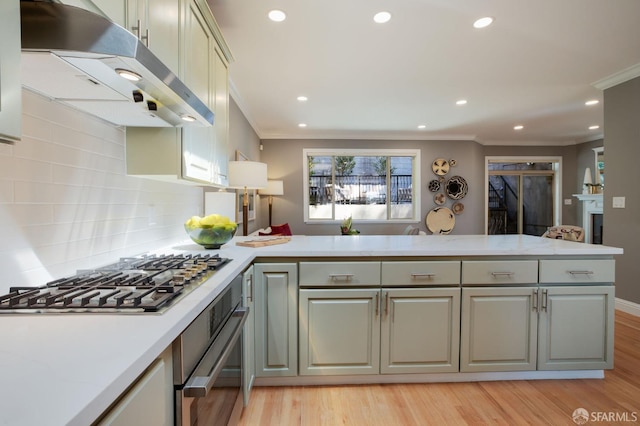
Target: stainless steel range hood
[(71, 55)]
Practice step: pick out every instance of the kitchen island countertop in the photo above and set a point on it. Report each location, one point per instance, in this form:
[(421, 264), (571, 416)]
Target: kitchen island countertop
[(68, 368)]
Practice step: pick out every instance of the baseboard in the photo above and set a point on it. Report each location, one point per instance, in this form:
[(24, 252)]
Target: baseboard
[(628, 307)]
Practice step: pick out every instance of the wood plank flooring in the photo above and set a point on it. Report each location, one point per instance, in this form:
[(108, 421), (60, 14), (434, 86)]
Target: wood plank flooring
[(528, 402)]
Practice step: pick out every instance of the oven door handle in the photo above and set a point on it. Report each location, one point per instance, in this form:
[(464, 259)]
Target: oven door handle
[(208, 369)]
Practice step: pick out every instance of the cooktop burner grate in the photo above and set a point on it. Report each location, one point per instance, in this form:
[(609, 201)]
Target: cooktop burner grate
[(147, 283)]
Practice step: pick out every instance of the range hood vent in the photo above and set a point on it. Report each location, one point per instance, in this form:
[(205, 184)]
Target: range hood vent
[(73, 56)]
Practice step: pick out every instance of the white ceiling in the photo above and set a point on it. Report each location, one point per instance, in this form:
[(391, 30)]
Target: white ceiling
[(535, 66)]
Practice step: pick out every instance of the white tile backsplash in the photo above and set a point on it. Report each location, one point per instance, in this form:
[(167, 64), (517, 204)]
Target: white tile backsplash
[(67, 204)]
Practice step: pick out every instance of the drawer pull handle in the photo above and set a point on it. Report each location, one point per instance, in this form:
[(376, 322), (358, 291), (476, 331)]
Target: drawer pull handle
[(336, 277), (502, 274), (420, 276), (581, 272)]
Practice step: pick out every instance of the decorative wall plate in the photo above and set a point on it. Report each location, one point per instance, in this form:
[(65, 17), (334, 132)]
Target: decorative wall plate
[(457, 207), (440, 220), (440, 167), (434, 185), (439, 198), (453, 162), (456, 188)]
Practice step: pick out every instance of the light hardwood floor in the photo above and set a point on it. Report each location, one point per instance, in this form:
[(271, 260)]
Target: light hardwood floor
[(533, 402)]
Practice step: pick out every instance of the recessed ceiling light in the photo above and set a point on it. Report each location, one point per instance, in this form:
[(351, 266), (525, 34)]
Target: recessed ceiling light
[(592, 102), (187, 117), (302, 125), (594, 127), (129, 75), (422, 126), (518, 127), (461, 102), (382, 17), (277, 15), (483, 22), (302, 98)]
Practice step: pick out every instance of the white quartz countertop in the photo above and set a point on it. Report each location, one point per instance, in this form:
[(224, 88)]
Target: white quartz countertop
[(60, 369)]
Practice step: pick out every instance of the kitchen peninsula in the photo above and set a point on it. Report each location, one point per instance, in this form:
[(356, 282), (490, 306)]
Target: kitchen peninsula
[(73, 367)]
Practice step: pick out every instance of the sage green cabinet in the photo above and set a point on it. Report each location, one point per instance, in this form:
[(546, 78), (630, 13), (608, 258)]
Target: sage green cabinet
[(537, 328), (339, 331), (373, 331), (276, 319), (575, 330), (198, 143), (420, 330), (248, 336), (499, 329), (10, 86), (157, 24), (191, 155)]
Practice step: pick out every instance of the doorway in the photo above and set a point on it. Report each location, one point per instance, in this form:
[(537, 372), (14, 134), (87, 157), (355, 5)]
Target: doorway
[(522, 194)]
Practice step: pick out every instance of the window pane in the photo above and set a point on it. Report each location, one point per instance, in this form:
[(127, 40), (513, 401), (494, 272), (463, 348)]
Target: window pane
[(401, 187), (320, 201), (370, 186), (537, 208)]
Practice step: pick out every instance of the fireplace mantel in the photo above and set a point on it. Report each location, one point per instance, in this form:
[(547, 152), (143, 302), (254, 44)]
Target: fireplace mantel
[(591, 204)]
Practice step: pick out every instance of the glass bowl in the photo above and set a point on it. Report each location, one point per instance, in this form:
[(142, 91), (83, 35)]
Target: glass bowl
[(212, 237)]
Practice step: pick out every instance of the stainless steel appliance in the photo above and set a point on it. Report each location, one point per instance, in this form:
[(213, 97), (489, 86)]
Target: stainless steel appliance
[(141, 284), (207, 360), (88, 54)]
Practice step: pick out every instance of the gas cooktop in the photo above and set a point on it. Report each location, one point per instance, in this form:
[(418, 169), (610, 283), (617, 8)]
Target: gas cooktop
[(147, 283)]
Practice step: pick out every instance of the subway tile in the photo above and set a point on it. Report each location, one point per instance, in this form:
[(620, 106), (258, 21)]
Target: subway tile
[(6, 191)]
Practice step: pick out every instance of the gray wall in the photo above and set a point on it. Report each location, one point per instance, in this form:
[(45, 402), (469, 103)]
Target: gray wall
[(622, 174), (285, 161)]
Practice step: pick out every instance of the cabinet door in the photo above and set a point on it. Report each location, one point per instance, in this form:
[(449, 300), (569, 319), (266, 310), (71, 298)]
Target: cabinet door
[(499, 329), (157, 24), (116, 10), (10, 88), (221, 120), (276, 319), (420, 330), (248, 345), (576, 328), (149, 401), (339, 331), (198, 142)]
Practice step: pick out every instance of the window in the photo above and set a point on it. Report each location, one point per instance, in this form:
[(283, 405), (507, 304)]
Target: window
[(523, 194), (368, 185)]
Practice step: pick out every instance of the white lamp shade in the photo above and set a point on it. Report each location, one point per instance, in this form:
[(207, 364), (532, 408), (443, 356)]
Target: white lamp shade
[(247, 174), (274, 187)]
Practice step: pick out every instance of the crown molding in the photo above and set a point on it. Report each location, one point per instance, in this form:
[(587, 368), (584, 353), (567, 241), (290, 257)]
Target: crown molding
[(618, 78)]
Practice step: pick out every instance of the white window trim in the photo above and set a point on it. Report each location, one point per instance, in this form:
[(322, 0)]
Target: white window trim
[(557, 179), (415, 153)]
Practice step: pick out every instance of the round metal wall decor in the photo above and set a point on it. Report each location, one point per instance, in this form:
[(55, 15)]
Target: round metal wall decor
[(456, 188), (434, 185), (440, 167)]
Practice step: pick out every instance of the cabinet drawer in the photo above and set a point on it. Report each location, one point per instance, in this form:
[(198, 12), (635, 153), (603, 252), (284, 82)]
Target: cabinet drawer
[(499, 272), (420, 273), (577, 271), (339, 274)]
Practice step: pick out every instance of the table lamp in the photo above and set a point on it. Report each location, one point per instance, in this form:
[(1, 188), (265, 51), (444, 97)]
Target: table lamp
[(274, 187), (247, 175)]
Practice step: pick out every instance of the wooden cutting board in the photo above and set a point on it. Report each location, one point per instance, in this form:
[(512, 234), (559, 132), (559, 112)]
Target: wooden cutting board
[(263, 241)]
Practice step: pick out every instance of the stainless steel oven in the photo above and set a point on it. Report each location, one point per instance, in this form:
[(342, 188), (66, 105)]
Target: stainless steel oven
[(208, 363)]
